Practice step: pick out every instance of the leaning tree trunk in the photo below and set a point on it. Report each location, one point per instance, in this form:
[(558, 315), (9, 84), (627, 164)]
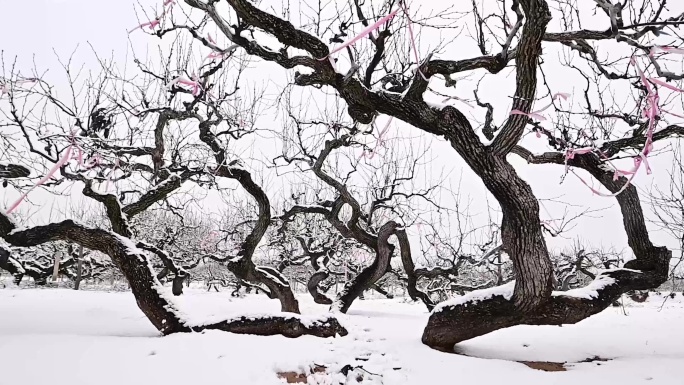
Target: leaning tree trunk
[(243, 267), (79, 269), (521, 236), (370, 275), (277, 285), (451, 323), (410, 269), (147, 290), (321, 273), (380, 290)]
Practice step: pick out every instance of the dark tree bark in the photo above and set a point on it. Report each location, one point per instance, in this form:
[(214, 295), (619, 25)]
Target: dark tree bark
[(409, 268), (376, 287), (314, 290), (242, 265), (11, 265), (79, 269), (10, 171), (321, 274), (372, 273), (368, 277), (453, 324)]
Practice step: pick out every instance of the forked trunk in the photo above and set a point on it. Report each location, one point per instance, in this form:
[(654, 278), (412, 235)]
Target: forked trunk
[(370, 275), (148, 291)]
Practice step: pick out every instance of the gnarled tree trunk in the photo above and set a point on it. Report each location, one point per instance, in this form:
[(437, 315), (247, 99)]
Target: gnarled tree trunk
[(450, 324), (148, 291), (11, 265), (531, 300), (321, 273), (410, 269), (368, 276), (277, 285), (243, 266), (79, 269)]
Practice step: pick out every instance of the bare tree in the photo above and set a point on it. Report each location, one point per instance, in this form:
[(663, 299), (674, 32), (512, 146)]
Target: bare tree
[(368, 218), (149, 137), (668, 207), (395, 89)]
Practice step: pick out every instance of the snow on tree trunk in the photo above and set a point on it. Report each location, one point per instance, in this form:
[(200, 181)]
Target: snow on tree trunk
[(79, 268), (55, 272)]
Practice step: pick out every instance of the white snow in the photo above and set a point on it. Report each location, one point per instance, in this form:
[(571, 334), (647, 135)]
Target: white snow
[(271, 273), (436, 105), (478, 295), (60, 336), (131, 247), (590, 291)]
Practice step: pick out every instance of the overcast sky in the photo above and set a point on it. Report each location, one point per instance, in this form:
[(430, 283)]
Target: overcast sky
[(34, 30)]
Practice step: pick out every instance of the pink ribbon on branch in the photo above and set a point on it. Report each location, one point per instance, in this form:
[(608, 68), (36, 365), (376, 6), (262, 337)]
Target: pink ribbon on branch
[(63, 160), (368, 30), (651, 112), (194, 84), (413, 39), (5, 86), (664, 84), (167, 5), (363, 33), (537, 114), (666, 49), (380, 142), (151, 25)]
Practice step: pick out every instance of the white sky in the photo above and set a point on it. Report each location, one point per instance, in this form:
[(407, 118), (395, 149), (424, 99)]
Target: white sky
[(32, 29)]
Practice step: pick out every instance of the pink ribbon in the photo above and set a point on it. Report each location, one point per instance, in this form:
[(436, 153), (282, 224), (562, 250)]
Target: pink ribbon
[(167, 5), (363, 33), (413, 39), (151, 25), (61, 162), (651, 112), (666, 49), (194, 84), (537, 114), (664, 84), (374, 27), (379, 143)]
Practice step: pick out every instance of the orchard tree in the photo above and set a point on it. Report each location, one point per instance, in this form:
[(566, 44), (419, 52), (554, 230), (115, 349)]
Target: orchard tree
[(135, 144), (384, 79), (366, 199), (668, 207)]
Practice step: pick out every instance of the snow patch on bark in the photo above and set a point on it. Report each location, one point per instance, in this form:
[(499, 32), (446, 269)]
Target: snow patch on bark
[(505, 291), (591, 291)]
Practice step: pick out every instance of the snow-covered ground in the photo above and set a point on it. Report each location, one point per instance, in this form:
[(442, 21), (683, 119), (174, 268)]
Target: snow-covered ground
[(60, 336)]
